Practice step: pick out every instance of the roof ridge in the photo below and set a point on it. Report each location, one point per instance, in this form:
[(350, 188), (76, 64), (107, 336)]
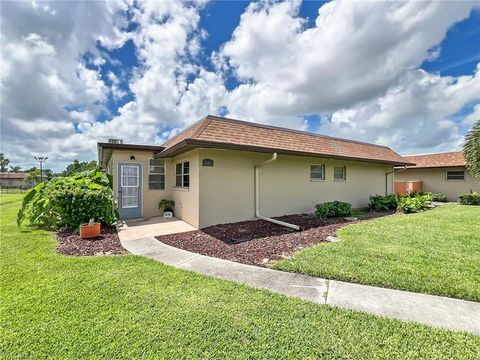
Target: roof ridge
[(186, 129), (220, 118), (429, 154), (203, 125)]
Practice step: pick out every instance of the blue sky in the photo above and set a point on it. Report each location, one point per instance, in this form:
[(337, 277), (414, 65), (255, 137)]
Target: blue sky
[(143, 71)]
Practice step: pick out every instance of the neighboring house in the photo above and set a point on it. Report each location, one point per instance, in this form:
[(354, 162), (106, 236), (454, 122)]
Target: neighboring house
[(439, 173), (15, 180), (209, 170)]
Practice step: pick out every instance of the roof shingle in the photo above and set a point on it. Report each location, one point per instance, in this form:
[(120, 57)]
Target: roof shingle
[(5, 175), (449, 159), (222, 131)]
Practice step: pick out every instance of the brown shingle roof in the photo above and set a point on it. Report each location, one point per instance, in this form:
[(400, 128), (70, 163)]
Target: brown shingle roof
[(13, 175), (214, 131), (449, 159)]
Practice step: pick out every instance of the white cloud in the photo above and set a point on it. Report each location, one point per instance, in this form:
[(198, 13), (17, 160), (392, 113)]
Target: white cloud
[(354, 52), (415, 116)]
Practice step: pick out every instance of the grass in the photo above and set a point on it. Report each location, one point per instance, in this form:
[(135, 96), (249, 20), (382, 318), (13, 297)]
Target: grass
[(131, 307), (435, 252)]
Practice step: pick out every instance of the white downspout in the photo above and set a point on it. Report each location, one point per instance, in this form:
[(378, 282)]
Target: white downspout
[(257, 197)]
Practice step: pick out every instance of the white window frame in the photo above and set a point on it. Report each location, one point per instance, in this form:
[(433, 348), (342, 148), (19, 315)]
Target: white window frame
[(164, 175), (182, 174), (449, 171), (344, 173), (322, 166)]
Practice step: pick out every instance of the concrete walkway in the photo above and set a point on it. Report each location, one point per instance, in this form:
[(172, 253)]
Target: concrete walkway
[(425, 309)]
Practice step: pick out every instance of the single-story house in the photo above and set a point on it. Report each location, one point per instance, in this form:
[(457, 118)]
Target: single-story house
[(222, 170), (15, 180), (439, 173)]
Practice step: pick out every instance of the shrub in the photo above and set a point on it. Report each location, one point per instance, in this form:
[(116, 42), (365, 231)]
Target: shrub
[(383, 202), (333, 209), (70, 201), (166, 205), (415, 204), (470, 199), (415, 194), (439, 197)]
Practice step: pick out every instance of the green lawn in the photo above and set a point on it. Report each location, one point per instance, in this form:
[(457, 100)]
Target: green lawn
[(435, 252), (131, 307)]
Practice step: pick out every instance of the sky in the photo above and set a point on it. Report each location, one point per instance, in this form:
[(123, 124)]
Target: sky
[(401, 74)]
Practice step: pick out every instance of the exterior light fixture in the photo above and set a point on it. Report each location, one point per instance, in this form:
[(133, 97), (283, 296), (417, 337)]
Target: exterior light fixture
[(41, 160)]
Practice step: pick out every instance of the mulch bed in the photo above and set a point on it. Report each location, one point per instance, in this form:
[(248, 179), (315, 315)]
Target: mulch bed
[(107, 243), (256, 242)]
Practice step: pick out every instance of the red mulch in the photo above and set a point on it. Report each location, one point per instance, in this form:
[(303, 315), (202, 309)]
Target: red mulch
[(107, 243), (255, 242)]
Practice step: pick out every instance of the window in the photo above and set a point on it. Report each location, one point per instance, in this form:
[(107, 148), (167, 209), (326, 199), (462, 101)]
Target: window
[(156, 174), (455, 175), (340, 173), (182, 174), (317, 172), (207, 162)]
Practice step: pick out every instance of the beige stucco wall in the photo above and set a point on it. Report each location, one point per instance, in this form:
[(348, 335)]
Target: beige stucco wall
[(227, 188), (435, 180), (14, 183), (150, 198), (186, 200)]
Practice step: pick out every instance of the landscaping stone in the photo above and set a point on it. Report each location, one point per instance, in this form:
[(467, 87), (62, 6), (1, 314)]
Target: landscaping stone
[(332, 239)]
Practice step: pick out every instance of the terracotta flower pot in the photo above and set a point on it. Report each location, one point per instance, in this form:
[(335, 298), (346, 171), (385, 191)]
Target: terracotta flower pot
[(89, 231)]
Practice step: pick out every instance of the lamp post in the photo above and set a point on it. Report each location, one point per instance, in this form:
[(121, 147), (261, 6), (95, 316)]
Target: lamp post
[(41, 160)]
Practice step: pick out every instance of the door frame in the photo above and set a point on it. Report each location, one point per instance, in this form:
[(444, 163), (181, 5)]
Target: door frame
[(140, 187)]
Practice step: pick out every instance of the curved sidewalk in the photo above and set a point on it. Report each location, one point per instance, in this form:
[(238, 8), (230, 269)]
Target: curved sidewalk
[(432, 310)]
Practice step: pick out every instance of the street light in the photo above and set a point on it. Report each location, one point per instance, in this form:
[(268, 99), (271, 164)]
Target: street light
[(41, 160)]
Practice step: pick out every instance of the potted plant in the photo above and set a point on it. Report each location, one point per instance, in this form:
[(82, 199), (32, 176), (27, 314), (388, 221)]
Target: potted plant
[(90, 230), (166, 205)]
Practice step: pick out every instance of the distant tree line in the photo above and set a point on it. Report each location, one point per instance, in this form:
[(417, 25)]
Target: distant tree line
[(34, 173)]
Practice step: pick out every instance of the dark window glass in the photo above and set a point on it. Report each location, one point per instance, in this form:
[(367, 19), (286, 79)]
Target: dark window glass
[(182, 177), (207, 162), (455, 175), (156, 174), (317, 172), (340, 173)]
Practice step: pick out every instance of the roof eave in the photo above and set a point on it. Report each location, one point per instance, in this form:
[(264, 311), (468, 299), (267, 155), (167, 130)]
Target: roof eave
[(104, 156), (190, 143)]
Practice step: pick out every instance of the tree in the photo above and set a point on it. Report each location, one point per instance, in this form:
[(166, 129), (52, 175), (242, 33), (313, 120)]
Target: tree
[(471, 150), (34, 175), (78, 167), (15, 169), (3, 163)]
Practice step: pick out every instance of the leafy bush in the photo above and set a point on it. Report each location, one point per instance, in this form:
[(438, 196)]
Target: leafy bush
[(439, 197), (333, 209), (470, 199), (383, 202), (70, 201), (415, 204), (414, 194), (166, 205)]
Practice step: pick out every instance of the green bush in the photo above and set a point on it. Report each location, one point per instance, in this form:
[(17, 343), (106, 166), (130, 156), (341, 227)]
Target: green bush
[(414, 204), (439, 197), (70, 201), (415, 194), (166, 205), (333, 209), (383, 202), (470, 199)]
